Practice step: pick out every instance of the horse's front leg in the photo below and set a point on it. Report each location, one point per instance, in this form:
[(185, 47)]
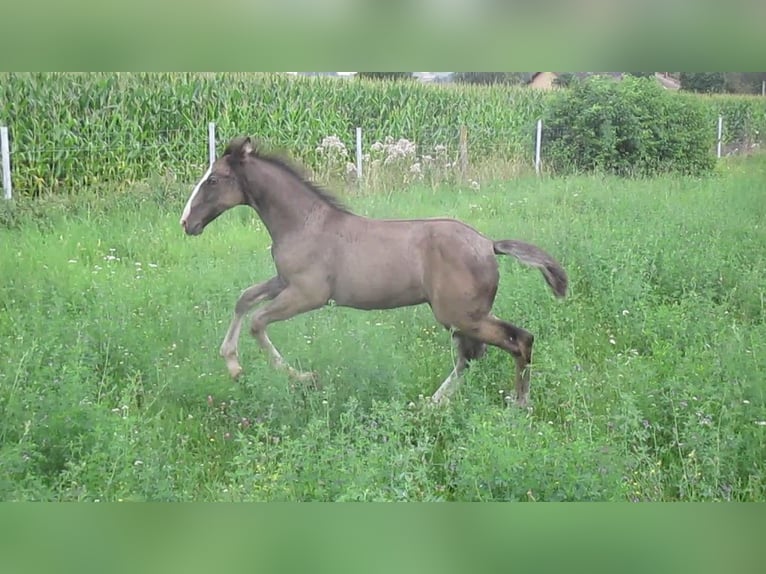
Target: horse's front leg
[(289, 303), (247, 300)]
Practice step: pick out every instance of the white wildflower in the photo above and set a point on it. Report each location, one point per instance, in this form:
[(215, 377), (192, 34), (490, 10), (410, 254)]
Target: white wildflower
[(331, 144)]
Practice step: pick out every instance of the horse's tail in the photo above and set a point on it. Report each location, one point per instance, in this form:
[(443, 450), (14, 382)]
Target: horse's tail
[(531, 255)]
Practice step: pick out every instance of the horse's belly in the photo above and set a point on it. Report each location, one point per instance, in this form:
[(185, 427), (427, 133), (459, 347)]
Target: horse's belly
[(378, 289)]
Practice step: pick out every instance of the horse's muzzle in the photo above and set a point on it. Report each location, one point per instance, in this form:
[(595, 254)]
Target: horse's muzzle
[(191, 229)]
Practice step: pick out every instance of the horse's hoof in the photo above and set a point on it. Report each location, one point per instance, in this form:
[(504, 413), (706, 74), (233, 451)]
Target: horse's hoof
[(234, 368)]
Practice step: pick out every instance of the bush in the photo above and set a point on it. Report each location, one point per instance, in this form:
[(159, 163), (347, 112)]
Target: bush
[(629, 128)]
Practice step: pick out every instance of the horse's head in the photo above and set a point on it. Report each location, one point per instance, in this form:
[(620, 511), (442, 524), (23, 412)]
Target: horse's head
[(219, 189)]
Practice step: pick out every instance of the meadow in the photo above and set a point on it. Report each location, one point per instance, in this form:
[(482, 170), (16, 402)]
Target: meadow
[(648, 381)]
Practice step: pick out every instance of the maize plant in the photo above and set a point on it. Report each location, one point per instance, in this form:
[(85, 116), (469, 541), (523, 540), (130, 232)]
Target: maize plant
[(70, 130)]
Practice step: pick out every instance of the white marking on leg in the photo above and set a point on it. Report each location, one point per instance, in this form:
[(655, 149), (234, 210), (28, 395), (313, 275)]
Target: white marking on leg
[(279, 362), (450, 383), (231, 340), (269, 347), (195, 191), (229, 347)]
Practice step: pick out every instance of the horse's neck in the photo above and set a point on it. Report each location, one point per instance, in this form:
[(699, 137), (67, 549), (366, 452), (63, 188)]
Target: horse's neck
[(288, 207)]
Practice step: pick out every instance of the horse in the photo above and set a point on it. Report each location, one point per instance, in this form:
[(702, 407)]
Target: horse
[(324, 252)]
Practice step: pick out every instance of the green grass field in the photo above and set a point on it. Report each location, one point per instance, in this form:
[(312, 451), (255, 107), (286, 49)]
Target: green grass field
[(648, 382)]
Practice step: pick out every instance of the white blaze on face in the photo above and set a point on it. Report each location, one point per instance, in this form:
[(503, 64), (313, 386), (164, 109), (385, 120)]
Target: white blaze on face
[(195, 191)]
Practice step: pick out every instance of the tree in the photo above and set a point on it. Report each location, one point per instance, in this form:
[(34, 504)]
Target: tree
[(744, 82), (564, 79), (385, 75), (703, 82)]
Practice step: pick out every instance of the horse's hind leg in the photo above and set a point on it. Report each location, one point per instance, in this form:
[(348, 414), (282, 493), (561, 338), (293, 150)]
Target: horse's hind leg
[(515, 341), (468, 350), (247, 300), (286, 304)]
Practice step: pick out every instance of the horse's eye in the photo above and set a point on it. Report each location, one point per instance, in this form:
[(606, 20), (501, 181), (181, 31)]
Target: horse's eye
[(212, 179)]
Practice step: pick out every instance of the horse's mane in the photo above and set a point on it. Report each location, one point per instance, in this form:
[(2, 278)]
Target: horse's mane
[(293, 171)]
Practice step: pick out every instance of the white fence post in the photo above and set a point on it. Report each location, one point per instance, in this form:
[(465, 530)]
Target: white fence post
[(359, 155), (537, 146), (211, 142), (720, 132), (6, 151), (463, 152)]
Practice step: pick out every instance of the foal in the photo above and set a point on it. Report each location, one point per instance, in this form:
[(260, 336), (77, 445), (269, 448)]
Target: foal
[(324, 252)]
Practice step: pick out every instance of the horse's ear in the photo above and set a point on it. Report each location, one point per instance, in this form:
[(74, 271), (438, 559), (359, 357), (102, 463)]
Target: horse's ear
[(239, 148)]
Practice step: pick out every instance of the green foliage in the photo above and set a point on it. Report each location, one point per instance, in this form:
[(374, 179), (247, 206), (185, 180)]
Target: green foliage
[(385, 75), (490, 78), (745, 82), (744, 118), (630, 128), (70, 131), (703, 82), (564, 79), (720, 82), (648, 382)]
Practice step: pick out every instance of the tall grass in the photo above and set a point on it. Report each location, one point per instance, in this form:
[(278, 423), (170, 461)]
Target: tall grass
[(648, 382)]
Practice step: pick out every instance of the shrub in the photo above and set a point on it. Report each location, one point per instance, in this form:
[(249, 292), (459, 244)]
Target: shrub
[(632, 127)]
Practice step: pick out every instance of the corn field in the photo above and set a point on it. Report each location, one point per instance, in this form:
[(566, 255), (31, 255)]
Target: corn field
[(744, 117), (70, 130)]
